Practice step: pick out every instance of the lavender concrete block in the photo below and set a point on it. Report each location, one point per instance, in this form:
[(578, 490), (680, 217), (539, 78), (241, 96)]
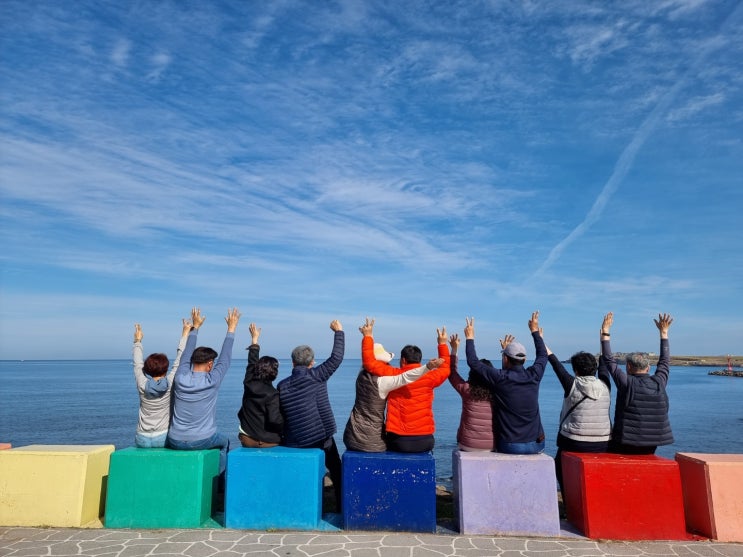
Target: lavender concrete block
[(500, 494)]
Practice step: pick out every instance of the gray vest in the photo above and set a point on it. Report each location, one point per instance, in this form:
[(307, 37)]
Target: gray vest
[(589, 420)]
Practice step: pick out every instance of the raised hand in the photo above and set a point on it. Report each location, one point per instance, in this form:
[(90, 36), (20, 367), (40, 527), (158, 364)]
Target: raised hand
[(506, 340), (138, 335), (186, 327), (534, 322), (233, 316), (441, 336), (469, 329), (434, 363), (367, 329), (336, 326), (454, 343), (255, 332), (607, 323), (196, 318), (663, 323)]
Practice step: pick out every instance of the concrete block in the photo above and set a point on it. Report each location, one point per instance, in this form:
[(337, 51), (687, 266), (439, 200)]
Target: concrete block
[(276, 488), (712, 487), (501, 494), (161, 488), (53, 485), (4, 446), (624, 497), (389, 491)]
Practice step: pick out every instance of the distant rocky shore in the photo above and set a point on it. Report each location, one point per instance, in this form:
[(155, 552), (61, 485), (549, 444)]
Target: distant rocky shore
[(727, 372), (699, 361)]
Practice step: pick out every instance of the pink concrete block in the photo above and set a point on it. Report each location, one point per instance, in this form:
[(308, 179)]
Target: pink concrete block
[(500, 494), (5, 446), (712, 485), (624, 497)]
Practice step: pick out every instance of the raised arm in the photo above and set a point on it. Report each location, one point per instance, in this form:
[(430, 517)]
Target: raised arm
[(138, 357), (563, 376), (663, 323), (370, 363), (620, 378), (328, 367), (254, 351), (540, 362), (197, 320), (225, 355), (185, 329)]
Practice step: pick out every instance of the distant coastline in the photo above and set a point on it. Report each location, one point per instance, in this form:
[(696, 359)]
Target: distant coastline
[(697, 361)]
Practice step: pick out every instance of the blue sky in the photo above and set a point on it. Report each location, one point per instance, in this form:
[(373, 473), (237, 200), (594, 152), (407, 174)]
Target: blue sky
[(418, 162)]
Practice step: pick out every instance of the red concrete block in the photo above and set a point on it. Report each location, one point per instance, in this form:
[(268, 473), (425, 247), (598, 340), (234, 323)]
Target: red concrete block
[(5, 446), (712, 486), (623, 497)]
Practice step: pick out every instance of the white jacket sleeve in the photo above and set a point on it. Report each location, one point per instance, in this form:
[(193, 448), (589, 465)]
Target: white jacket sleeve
[(388, 383)]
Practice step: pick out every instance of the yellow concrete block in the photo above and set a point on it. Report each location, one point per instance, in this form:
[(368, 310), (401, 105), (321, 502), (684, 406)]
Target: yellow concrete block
[(53, 485)]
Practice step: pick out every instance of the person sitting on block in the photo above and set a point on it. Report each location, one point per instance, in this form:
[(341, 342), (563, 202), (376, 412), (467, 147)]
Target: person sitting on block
[(477, 431), (261, 422), (365, 427), (195, 389), (154, 385), (515, 389), (410, 425), (641, 421), (308, 417), (585, 425)]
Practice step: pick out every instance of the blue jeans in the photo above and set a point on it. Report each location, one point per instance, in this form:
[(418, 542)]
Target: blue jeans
[(533, 447), (149, 441), (216, 441)]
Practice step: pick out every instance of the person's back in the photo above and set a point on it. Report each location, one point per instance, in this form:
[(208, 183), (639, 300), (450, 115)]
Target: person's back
[(410, 422), (516, 391), (195, 389), (641, 422), (261, 422), (154, 385), (365, 431), (477, 430), (303, 396)]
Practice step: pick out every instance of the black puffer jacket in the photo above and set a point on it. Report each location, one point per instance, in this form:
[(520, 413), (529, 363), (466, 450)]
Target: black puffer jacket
[(260, 413), (641, 413)]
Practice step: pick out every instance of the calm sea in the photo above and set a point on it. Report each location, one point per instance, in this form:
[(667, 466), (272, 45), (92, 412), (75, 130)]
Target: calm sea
[(95, 402)]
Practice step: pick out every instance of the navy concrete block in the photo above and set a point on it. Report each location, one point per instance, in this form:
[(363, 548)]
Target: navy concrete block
[(389, 491), (276, 488)]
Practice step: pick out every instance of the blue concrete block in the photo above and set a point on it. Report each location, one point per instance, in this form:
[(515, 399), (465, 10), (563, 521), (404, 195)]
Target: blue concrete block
[(276, 488), (500, 494), (389, 491)]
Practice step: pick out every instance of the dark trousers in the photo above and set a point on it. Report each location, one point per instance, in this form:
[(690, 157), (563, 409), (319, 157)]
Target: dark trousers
[(409, 443), (333, 464), (621, 448)]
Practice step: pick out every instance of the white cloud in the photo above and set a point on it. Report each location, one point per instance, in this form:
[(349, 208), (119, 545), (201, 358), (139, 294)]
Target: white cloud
[(694, 106), (120, 53)]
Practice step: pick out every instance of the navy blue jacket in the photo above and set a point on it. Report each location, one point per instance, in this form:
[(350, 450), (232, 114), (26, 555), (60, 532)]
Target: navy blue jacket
[(516, 394), (308, 417)]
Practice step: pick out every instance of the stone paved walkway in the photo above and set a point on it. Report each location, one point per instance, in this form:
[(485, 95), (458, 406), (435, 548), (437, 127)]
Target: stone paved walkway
[(62, 542)]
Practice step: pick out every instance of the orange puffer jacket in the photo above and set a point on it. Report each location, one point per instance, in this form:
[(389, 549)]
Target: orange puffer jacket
[(409, 408)]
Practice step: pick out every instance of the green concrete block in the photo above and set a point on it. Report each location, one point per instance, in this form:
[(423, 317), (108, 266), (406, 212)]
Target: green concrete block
[(161, 488)]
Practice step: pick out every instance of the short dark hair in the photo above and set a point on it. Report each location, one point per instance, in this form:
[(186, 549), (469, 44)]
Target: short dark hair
[(266, 368), (156, 365), (479, 388), (584, 363), (202, 355), (412, 354)]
